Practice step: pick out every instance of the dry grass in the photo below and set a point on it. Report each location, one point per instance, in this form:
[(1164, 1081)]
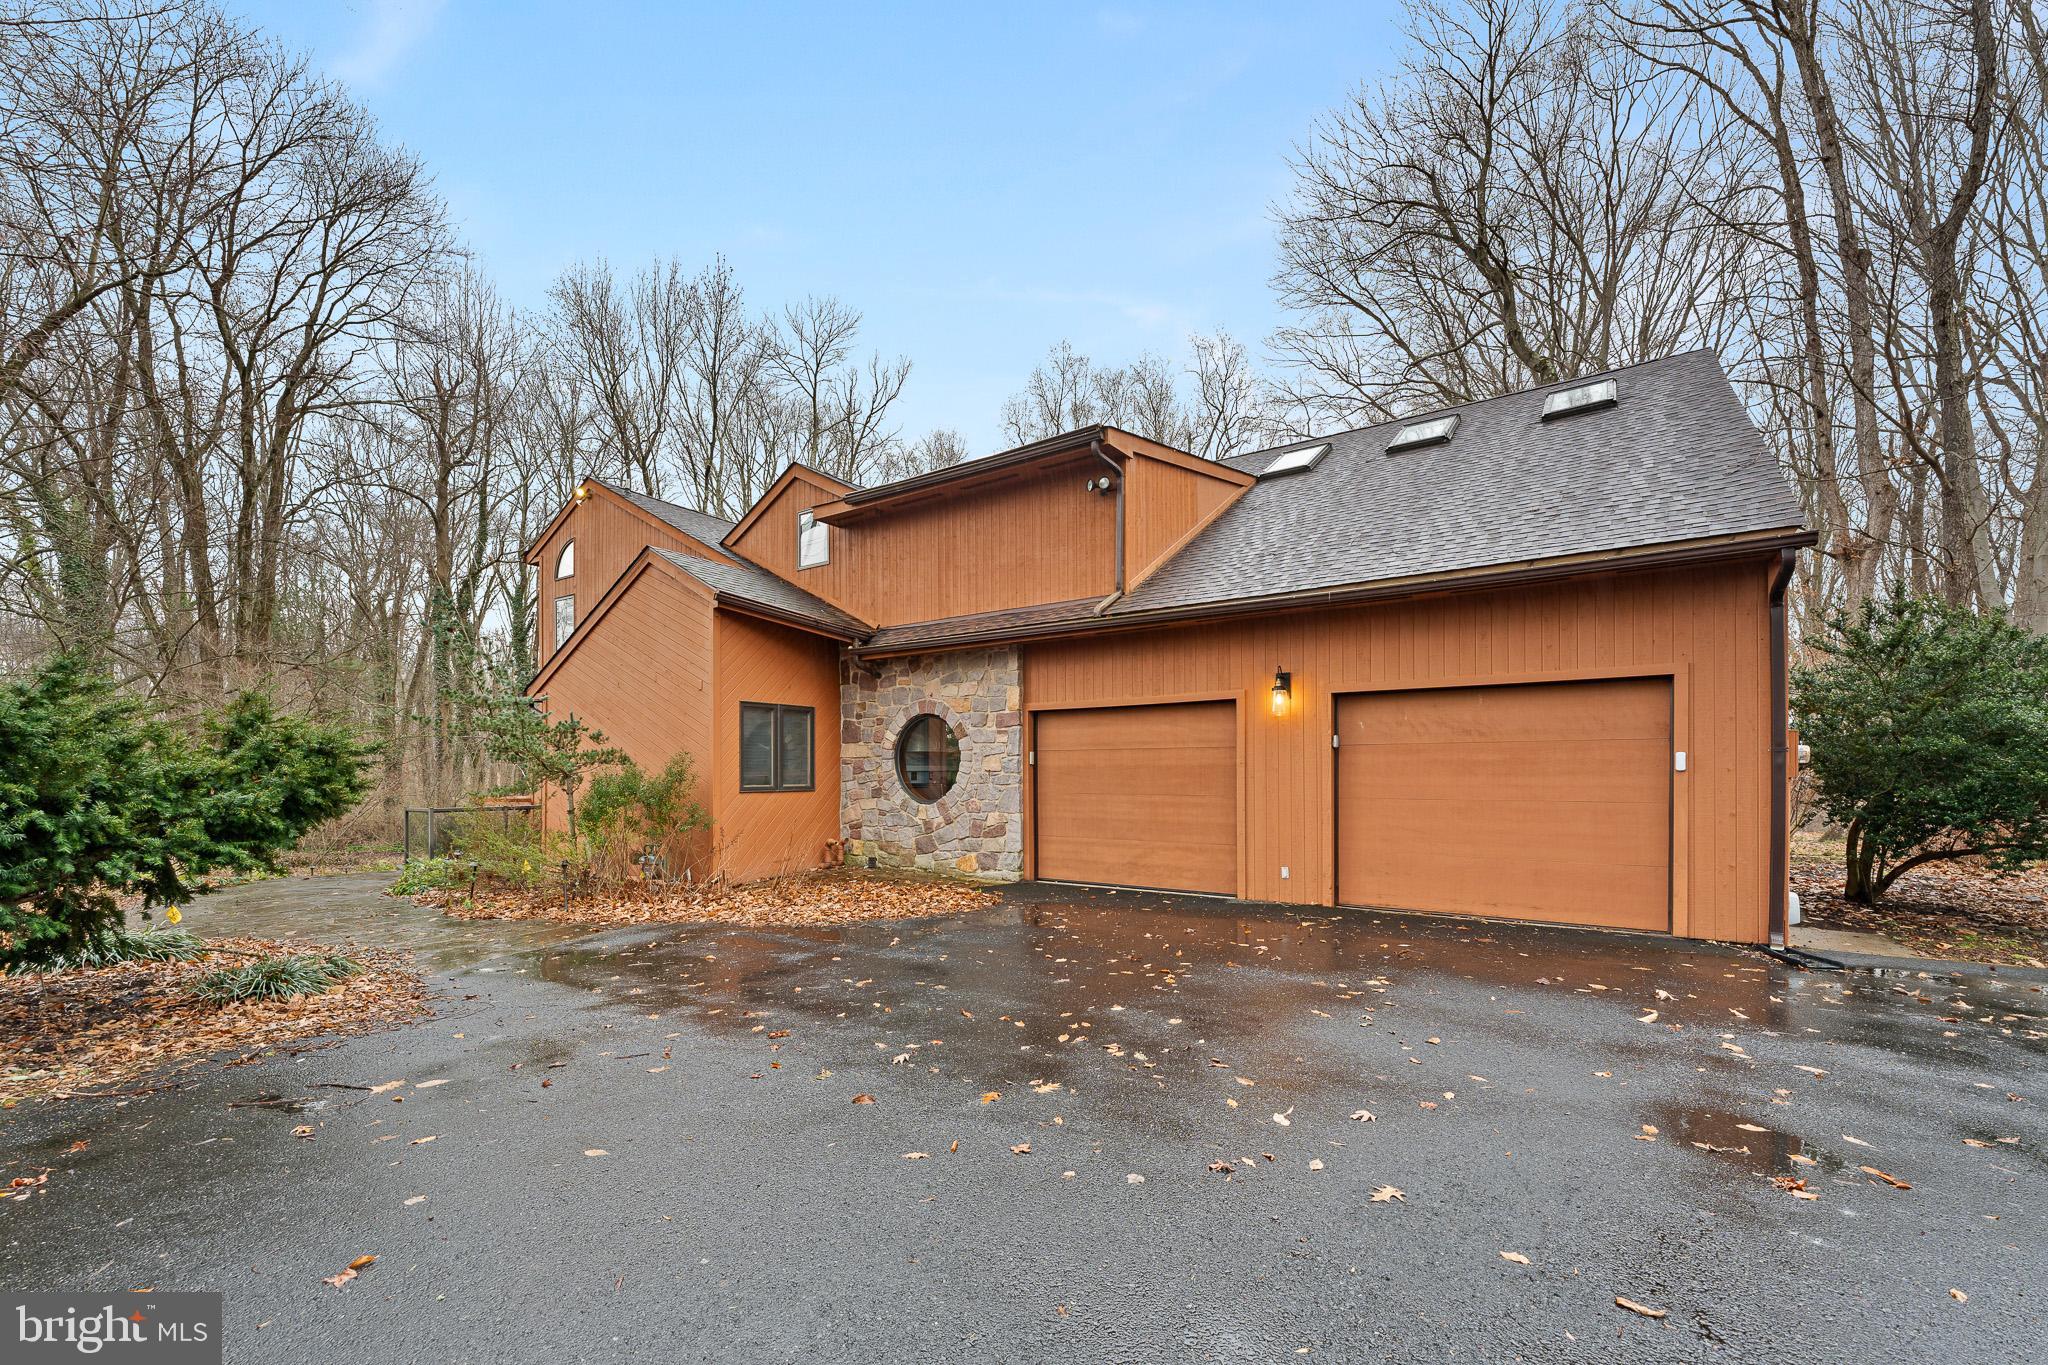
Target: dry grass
[(835, 896), (95, 1030)]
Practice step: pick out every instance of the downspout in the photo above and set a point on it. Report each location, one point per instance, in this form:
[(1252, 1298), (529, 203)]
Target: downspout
[(1781, 814), (1117, 469)]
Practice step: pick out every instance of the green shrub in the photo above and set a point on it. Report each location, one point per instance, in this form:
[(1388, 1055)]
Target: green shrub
[(275, 978), (118, 944), (626, 812), (1929, 730), (429, 874), (100, 797)]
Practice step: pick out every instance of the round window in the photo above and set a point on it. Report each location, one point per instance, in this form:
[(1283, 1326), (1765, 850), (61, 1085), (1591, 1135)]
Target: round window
[(927, 758)]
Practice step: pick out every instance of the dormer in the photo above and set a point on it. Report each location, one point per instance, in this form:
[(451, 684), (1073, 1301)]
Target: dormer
[(1074, 519)]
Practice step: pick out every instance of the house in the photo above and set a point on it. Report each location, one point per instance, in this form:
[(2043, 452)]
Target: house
[(1521, 658)]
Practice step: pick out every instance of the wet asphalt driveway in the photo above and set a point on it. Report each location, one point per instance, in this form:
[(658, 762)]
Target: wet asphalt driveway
[(745, 1208)]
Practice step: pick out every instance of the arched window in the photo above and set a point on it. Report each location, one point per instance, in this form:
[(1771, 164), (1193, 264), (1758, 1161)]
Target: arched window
[(565, 567)]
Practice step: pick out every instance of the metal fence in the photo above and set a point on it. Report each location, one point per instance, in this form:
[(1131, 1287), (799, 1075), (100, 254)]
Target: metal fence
[(439, 831)]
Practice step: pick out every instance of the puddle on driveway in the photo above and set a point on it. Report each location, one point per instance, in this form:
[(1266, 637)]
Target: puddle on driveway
[(1735, 1139)]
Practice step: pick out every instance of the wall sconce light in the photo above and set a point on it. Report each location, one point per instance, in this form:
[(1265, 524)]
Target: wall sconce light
[(1283, 682), (582, 491)]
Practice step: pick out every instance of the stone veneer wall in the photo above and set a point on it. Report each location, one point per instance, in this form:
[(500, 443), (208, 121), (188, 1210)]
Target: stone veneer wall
[(976, 828)]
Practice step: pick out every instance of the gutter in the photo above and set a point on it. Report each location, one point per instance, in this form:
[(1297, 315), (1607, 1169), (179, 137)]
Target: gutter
[(1095, 447), (1780, 722)]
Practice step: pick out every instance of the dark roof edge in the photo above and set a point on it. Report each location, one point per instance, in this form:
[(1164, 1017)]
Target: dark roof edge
[(1669, 555), (747, 606), (967, 469)]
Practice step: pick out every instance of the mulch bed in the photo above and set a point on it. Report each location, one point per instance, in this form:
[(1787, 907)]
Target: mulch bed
[(99, 1030), (812, 899), (1946, 910)]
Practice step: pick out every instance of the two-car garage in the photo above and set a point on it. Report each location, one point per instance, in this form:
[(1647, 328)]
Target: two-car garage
[(1544, 801)]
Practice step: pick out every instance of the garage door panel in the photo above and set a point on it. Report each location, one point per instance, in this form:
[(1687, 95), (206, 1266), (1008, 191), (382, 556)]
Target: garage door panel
[(1138, 796), (1599, 770), (1547, 711), (1548, 801), (1592, 833), (1561, 890)]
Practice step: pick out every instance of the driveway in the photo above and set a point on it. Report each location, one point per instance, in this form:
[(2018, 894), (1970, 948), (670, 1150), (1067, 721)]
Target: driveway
[(647, 1147)]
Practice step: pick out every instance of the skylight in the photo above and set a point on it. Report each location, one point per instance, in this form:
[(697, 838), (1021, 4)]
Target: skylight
[(1295, 461), (1435, 431), (1563, 402)]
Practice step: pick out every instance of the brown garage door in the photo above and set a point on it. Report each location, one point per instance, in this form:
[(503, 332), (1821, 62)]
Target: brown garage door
[(1138, 796), (1550, 801)]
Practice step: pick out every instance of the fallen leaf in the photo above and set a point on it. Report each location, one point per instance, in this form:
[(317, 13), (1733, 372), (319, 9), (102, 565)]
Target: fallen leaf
[(1632, 1306), (1890, 1180), (991, 1096), (1134, 1179), (416, 1199), (1752, 1128), (339, 1279), (1315, 1163), (359, 1262), (1022, 1149), (429, 1085), (1517, 1257), (1387, 1194), (1223, 1166), (1649, 1017), (915, 1156), (304, 1130), (1810, 1070), (1282, 1119), (1362, 1115), (863, 1099), (422, 1141), (1959, 1296), (1857, 1140), (388, 1085), (595, 1151)]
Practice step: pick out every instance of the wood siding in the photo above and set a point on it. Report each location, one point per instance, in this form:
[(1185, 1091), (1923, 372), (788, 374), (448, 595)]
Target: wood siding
[(1038, 537), (609, 533), (1705, 628), (763, 834), (1164, 505), (643, 676)]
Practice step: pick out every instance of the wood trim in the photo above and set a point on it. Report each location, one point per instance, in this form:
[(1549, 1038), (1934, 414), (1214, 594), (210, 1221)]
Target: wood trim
[(1128, 443), (793, 470)]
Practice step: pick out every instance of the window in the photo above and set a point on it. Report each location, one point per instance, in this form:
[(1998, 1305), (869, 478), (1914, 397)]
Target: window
[(565, 618), (1435, 431), (1296, 460), (813, 542), (927, 758), (565, 563), (1584, 398), (775, 747)]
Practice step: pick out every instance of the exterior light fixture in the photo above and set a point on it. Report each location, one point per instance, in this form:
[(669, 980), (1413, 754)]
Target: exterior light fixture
[(582, 491), (1282, 686)]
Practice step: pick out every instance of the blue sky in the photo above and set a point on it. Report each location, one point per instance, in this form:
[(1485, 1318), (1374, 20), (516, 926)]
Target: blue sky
[(979, 180)]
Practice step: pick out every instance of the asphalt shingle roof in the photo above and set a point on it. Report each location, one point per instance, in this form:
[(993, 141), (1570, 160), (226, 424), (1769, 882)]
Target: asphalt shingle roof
[(1677, 458), (750, 585), (979, 625), (697, 525)]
